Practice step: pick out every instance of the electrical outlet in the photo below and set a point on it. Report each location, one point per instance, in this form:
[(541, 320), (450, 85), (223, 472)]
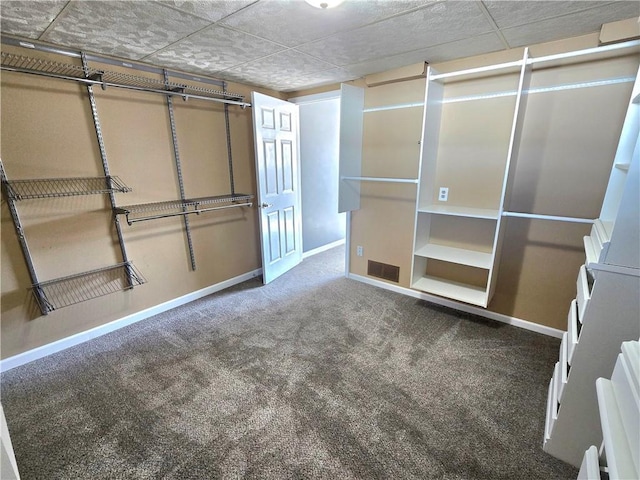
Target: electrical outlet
[(359, 250), (443, 196)]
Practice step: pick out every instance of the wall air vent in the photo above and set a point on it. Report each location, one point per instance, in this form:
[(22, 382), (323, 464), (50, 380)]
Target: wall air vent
[(384, 271)]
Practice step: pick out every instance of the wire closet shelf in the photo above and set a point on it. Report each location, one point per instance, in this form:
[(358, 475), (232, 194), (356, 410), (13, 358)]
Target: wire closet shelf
[(103, 78), (62, 292), (172, 208), (63, 187)]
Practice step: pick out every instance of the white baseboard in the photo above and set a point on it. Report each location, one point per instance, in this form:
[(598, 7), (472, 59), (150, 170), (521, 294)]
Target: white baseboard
[(323, 248), (78, 338), (516, 322)]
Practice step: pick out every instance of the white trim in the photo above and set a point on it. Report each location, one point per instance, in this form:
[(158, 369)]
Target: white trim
[(488, 68), (317, 97), (323, 248), (516, 322), (78, 338)]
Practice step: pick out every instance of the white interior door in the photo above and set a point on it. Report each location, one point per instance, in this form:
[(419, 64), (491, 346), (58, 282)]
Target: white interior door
[(276, 127)]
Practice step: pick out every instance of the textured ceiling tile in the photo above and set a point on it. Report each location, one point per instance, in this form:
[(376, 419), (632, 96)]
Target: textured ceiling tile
[(281, 67), (293, 22), (508, 14), (581, 23), (28, 18), (467, 47), (213, 49), (290, 82), (439, 23), (335, 75), (212, 10), (121, 28)]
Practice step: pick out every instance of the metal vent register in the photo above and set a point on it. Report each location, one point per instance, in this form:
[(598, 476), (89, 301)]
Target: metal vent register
[(384, 271)]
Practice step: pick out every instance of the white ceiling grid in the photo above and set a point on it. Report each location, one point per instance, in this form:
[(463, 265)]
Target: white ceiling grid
[(288, 45)]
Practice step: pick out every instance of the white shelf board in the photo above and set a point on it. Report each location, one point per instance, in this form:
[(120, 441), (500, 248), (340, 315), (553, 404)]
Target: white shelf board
[(618, 453), (450, 289), (456, 211), (472, 258)]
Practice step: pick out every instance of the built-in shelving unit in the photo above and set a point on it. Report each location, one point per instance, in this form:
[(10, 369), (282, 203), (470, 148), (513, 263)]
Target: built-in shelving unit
[(474, 201), (152, 211), (604, 315)]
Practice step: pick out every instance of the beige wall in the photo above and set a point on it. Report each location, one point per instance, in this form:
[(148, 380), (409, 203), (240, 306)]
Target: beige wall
[(562, 168), (47, 131)]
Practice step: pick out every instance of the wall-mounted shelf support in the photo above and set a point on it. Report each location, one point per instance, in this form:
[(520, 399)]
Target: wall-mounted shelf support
[(65, 291), (173, 208), (176, 157)]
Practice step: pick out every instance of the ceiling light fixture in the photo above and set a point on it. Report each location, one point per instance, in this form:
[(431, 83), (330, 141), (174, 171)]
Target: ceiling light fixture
[(324, 4)]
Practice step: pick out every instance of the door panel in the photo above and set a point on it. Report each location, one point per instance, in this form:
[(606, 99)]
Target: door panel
[(276, 147)]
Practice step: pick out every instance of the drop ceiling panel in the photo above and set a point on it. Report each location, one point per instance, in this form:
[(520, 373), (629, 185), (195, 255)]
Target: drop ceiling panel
[(561, 27), (213, 49), (509, 14), (125, 29), (212, 10), (437, 24), (293, 22), (29, 18)]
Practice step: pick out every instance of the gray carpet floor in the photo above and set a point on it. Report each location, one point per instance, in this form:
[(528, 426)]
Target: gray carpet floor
[(312, 376)]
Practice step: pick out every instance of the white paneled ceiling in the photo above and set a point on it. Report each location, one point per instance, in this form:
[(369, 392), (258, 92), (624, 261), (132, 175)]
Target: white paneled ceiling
[(289, 45)]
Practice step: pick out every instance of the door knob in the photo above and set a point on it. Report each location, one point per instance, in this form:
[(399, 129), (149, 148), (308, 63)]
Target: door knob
[(266, 205)]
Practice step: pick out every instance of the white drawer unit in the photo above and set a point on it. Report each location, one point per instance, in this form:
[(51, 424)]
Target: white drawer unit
[(583, 287), (619, 409), (604, 315), (573, 330), (590, 468)]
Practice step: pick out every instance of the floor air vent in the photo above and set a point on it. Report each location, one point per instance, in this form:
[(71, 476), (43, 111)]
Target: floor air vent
[(383, 270)]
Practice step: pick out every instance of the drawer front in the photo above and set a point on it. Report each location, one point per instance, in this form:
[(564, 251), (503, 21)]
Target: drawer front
[(563, 371), (573, 330), (590, 468), (583, 292), (552, 413)]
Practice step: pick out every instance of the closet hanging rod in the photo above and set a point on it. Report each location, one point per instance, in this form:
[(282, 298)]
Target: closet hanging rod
[(102, 84), (554, 218), (381, 179), (188, 212)]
